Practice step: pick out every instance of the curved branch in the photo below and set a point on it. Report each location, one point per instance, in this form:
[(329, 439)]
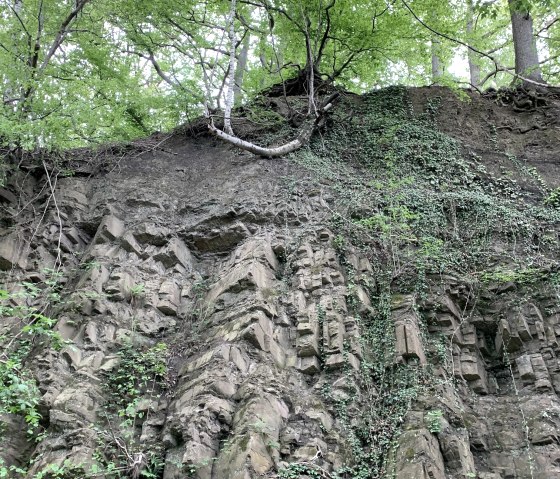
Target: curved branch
[(305, 134), (494, 72), (16, 13), (547, 26), (273, 152), (271, 8)]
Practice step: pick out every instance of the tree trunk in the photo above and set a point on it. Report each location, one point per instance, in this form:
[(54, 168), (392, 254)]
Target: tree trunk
[(526, 56), (240, 70), (10, 95), (474, 67), (437, 67)]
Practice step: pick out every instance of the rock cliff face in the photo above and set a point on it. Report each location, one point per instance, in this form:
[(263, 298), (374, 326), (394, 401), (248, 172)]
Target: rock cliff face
[(218, 315)]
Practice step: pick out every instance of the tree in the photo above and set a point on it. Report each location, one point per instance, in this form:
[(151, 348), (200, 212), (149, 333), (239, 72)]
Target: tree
[(307, 77), (474, 67), (33, 35), (337, 36), (488, 43), (79, 72), (437, 66), (65, 82), (527, 63)]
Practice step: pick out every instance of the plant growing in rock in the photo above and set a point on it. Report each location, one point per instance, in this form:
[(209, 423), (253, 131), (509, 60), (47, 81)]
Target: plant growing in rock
[(200, 309), (137, 373), (433, 420), (260, 426), (137, 290), (140, 374), (18, 390), (297, 470), (553, 199)]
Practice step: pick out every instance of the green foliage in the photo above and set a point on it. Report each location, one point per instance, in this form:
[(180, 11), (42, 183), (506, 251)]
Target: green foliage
[(200, 308), (19, 393), (553, 199), (67, 470), (525, 276), (372, 421), (433, 420), (137, 372), (297, 470), (434, 208), (125, 69), (407, 195), (259, 426), (18, 390), (137, 290), (140, 375), (11, 471)]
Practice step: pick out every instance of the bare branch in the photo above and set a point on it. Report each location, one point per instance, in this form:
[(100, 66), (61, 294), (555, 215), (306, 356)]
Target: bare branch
[(12, 100), (162, 74), (271, 8), (494, 72), (326, 32), (63, 31), (547, 26), (259, 150), (499, 47), (191, 38), (15, 12), (550, 59), (377, 15), (248, 26)]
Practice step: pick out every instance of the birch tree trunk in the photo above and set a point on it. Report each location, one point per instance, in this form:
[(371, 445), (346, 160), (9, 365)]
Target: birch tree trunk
[(526, 55), (309, 126)]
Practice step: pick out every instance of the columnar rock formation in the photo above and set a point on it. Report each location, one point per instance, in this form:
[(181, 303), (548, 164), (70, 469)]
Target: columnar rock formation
[(231, 262)]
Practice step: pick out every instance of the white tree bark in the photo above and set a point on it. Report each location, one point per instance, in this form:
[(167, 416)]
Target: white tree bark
[(272, 152), (305, 134), (526, 55)]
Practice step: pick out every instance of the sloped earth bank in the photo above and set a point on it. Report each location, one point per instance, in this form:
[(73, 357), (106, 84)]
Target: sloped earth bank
[(384, 303)]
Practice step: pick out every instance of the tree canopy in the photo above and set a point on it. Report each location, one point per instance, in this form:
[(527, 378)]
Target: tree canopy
[(82, 72)]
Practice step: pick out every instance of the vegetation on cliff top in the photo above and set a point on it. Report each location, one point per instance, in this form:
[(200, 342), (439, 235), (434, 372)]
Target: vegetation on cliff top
[(93, 71)]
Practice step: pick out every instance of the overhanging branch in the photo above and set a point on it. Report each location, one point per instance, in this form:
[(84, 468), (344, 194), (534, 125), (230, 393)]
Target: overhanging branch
[(306, 132)]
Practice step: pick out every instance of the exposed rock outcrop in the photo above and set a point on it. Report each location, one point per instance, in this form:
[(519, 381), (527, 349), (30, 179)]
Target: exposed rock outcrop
[(218, 324)]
